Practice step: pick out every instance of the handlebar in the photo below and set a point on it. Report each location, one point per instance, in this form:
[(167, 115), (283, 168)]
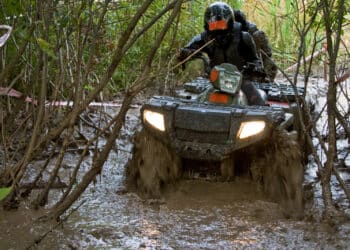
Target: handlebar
[(253, 69), (250, 68)]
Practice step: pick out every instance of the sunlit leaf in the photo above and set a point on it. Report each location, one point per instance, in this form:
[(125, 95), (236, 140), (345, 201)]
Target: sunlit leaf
[(88, 87), (4, 192), (46, 47)]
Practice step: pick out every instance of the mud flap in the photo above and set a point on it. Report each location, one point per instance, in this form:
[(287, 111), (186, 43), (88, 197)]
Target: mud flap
[(280, 170), (152, 165)]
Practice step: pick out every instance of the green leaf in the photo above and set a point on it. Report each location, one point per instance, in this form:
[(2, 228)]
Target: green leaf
[(88, 87), (46, 47), (4, 192)]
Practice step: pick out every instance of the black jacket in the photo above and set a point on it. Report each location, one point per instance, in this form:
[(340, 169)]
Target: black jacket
[(236, 47)]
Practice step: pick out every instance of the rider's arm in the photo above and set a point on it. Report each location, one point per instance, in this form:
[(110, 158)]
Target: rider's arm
[(249, 50), (196, 43)]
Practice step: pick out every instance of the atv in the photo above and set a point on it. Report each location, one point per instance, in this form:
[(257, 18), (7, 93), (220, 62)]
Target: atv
[(209, 120)]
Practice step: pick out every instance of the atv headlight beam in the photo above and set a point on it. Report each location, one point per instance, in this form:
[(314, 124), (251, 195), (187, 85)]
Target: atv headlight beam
[(250, 128), (155, 119)]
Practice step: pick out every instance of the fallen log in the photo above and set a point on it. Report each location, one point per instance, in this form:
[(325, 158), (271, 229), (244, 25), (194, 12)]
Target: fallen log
[(307, 59)]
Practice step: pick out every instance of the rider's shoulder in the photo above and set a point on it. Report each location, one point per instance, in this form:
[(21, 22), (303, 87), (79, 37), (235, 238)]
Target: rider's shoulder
[(237, 27), (197, 39), (246, 37)]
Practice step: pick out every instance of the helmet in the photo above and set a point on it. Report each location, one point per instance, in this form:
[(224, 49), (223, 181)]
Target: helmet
[(218, 16)]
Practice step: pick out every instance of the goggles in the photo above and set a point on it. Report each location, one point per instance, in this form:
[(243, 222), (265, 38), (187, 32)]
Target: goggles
[(218, 25)]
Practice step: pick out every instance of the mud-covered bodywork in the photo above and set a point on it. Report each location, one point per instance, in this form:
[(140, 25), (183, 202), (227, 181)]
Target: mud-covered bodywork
[(208, 131), (201, 130)]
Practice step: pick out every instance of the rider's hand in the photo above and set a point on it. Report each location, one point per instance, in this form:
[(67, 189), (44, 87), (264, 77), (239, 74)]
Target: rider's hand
[(258, 69), (183, 53)]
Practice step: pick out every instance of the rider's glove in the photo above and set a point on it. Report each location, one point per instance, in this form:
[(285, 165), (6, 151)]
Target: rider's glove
[(258, 68), (183, 53)]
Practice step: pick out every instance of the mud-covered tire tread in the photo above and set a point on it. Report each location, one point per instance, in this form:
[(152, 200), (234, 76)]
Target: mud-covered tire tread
[(152, 166)]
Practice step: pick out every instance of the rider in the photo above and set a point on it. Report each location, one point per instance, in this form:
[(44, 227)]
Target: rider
[(224, 42), (261, 42)]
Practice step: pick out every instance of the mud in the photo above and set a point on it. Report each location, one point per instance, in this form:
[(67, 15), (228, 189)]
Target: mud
[(152, 165), (279, 169), (197, 214)]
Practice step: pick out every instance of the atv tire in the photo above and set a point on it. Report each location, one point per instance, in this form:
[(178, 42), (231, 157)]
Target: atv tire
[(227, 167), (280, 170), (152, 165)]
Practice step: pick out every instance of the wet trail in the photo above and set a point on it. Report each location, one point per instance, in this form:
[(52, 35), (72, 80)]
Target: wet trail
[(196, 215)]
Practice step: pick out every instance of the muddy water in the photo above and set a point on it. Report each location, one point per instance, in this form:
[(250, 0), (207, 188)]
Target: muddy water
[(196, 214)]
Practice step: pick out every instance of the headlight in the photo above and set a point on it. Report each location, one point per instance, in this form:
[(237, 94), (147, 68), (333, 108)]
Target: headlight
[(155, 119), (227, 78), (250, 128)]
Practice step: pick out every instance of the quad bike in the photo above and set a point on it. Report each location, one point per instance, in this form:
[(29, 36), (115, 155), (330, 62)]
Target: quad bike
[(209, 120)]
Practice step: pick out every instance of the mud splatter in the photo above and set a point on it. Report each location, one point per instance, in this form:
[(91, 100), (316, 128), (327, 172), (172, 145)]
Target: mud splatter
[(279, 169), (152, 165)]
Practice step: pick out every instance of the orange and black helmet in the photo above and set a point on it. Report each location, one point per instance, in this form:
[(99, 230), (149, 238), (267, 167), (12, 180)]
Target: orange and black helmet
[(218, 16)]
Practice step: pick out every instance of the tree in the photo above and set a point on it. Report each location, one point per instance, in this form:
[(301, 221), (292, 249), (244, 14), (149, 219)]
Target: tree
[(76, 49)]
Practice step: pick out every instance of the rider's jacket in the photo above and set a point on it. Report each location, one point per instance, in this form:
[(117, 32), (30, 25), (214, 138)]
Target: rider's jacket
[(235, 46)]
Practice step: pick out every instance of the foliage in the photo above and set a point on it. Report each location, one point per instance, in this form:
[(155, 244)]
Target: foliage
[(4, 192)]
